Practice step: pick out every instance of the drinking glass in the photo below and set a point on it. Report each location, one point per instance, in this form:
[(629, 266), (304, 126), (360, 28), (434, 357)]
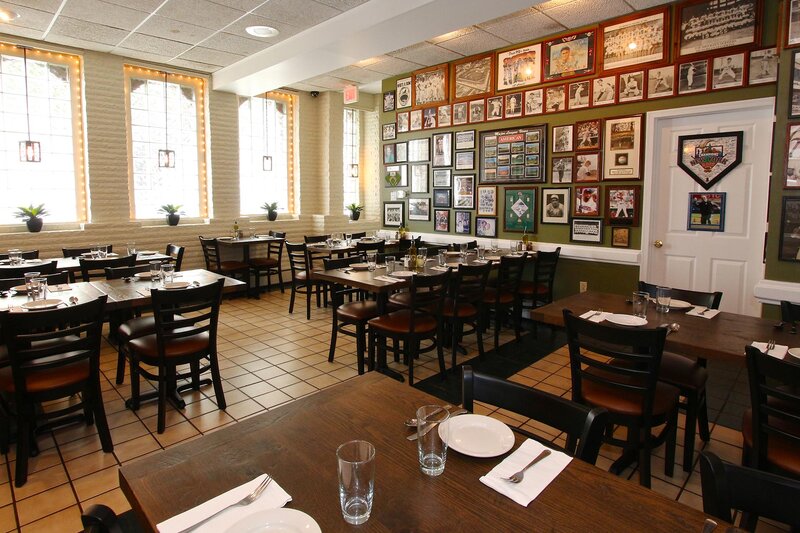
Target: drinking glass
[(155, 270), (512, 247), (15, 256), (168, 272), (431, 447), (102, 251), (493, 244), (481, 252), (371, 257), (442, 257), (663, 298), (329, 242), (422, 256), (131, 248), (29, 277), (356, 480), (389, 264), (640, 303), (349, 238)]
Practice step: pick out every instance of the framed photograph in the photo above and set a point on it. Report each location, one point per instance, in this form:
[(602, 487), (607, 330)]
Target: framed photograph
[(586, 230), (587, 201), (465, 140), (792, 23), (419, 209), (579, 94), (389, 101), (569, 56), (794, 92), (389, 154), (709, 157), (519, 67), (444, 116), (485, 226), (693, 77), (792, 171), (621, 237), (393, 214), (562, 170), (487, 200), (587, 165), (430, 86), (519, 209), (728, 71), (460, 114), (534, 102), (419, 179), (442, 150), (703, 26), (494, 108), (441, 177), (464, 191), (465, 160), (514, 155), (442, 197), (562, 138), (555, 99), (604, 90), (389, 132), (441, 220), (513, 105), (415, 120), (555, 206), (661, 82), (401, 152), (477, 110), (419, 150), (402, 122), (622, 205), (763, 65), (630, 87), (396, 176), (790, 229), (637, 39), (403, 93), (587, 135), (473, 77), (622, 143), (429, 118), (464, 222), (706, 211)]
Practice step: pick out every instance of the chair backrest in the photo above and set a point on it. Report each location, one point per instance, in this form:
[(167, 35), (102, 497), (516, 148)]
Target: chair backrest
[(76, 252), (46, 267), (275, 250), (210, 252), (363, 247), (277, 234), (544, 273), (706, 299), (176, 253), (584, 425), (633, 369), (427, 295), (28, 254), (509, 274), (468, 283), (95, 268), (380, 258), (728, 487), (790, 312), (125, 271), (310, 239), (59, 278), (405, 244), (298, 257), (456, 246), (358, 235), (774, 399), (338, 291)]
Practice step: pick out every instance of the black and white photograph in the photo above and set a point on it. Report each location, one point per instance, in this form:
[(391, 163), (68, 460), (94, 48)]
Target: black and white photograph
[(472, 77), (494, 108), (402, 122), (441, 177), (562, 139), (728, 71), (534, 101), (463, 222), (635, 40), (441, 220), (794, 95), (429, 118), (477, 109), (586, 230), (465, 140), (464, 191), (396, 176), (460, 114), (419, 209), (519, 67), (443, 150), (569, 56), (693, 77), (763, 66), (389, 132), (631, 87), (465, 160), (555, 206), (587, 167), (604, 90), (419, 179), (419, 150), (562, 170), (513, 105), (707, 25), (555, 99), (792, 23), (415, 120), (661, 82), (790, 229), (444, 117), (401, 152), (403, 95), (587, 135), (430, 86), (442, 197), (622, 141), (389, 101), (393, 214), (579, 94), (792, 171), (486, 226)]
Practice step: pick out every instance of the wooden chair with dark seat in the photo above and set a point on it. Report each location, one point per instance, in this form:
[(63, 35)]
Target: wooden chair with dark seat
[(185, 334), (54, 354), (358, 235), (313, 239), (405, 244), (176, 253), (363, 248), (46, 267), (689, 375), (59, 278), (790, 314), (300, 264), (583, 425), (234, 269), (127, 325), (99, 518), (462, 305), (539, 289), (728, 487), (76, 252), (96, 268), (269, 266), (503, 296), (627, 385), (421, 320), (27, 254)]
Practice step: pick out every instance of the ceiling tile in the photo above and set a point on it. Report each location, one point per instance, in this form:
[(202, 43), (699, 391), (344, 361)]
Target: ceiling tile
[(141, 5), (356, 74), (426, 54), (474, 42), (328, 82), (79, 43), (104, 13), (174, 30), (19, 31), (392, 66), (300, 13), (646, 4), (143, 56), (81, 30), (527, 25), (452, 35), (32, 19), (585, 12), (200, 12), (343, 5), (228, 42), (154, 45), (306, 87), (212, 57), (51, 6), (241, 5), (194, 65), (286, 30)]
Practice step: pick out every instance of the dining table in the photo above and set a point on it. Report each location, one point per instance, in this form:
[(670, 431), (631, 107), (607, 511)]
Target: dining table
[(245, 243), (73, 264), (296, 445)]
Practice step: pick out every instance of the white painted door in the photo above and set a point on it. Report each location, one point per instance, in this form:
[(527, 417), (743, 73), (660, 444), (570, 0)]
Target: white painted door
[(730, 261)]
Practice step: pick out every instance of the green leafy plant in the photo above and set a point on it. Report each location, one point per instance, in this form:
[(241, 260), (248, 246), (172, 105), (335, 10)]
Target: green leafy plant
[(169, 209), (30, 212), (355, 208), (270, 208)]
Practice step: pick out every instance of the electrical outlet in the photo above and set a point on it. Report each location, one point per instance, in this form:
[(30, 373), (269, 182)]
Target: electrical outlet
[(584, 286)]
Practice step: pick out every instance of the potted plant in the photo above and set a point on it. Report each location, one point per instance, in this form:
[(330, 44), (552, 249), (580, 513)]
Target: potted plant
[(271, 209), (32, 216), (355, 211), (173, 213)]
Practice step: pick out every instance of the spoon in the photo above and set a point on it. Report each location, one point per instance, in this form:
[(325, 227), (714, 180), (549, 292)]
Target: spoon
[(412, 422), (196, 283)]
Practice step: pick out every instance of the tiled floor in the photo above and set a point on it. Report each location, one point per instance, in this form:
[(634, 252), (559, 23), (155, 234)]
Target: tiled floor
[(268, 358)]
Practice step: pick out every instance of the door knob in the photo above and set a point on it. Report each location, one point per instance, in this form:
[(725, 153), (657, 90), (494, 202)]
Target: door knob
[(658, 243)]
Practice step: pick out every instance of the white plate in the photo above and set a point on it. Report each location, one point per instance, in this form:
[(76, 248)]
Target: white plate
[(275, 521), (20, 289), (679, 304), (493, 257), (147, 252), (41, 304), (626, 320), (143, 275), (35, 261), (176, 285), (359, 266), (794, 352), (403, 274), (478, 435)]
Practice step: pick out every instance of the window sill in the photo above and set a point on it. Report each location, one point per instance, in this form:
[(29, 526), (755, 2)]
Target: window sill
[(61, 227)]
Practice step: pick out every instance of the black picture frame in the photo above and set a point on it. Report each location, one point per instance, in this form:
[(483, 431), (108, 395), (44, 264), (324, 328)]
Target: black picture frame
[(700, 154), (389, 101), (586, 230), (390, 210), (442, 198), (419, 209), (794, 87), (486, 227), (706, 211), (441, 220), (790, 229), (442, 150), (463, 222)]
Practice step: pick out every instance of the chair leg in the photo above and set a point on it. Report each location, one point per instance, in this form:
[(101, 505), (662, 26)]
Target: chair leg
[(669, 451), (360, 341), (216, 380), (499, 315), (702, 416), (257, 275), (644, 455), (689, 431), (334, 334), (120, 362), (96, 399), (23, 448), (412, 348), (291, 299), (134, 365), (517, 320), (308, 302), (456, 333), (371, 348), (162, 399), (440, 353), (479, 335), (280, 278)]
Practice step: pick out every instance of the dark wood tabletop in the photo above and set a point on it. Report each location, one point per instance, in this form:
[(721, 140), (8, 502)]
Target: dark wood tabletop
[(296, 444), (73, 264), (247, 241), (721, 337)]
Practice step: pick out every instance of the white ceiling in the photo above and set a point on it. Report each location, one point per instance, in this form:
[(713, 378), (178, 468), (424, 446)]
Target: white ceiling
[(322, 45)]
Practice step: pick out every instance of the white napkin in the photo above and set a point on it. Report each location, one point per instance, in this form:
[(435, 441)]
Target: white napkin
[(778, 351), (440, 268), (594, 316), (480, 262), (58, 288), (389, 279), (272, 498), (536, 479), (711, 313)]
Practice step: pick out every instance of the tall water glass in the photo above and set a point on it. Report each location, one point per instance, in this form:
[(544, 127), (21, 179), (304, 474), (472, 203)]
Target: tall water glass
[(131, 248), (422, 256), (442, 257), (15, 256), (155, 270), (349, 238), (494, 245), (29, 277), (431, 447), (102, 251), (371, 261), (168, 272), (389, 264), (663, 298), (640, 303), (481, 252), (356, 480)]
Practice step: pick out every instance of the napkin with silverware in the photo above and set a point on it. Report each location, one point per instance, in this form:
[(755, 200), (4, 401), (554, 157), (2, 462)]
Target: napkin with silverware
[(59, 288), (595, 316), (703, 312), (388, 279), (777, 350), (536, 478), (273, 497), (440, 268)]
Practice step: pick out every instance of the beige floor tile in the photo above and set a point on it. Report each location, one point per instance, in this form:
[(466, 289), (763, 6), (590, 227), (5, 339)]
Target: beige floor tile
[(271, 399), (135, 448), (8, 521), (257, 389), (244, 409), (283, 381), (115, 499), (45, 504), (97, 483), (177, 433), (323, 380), (80, 447), (212, 420), (89, 464), (299, 389), (68, 519), (41, 481)]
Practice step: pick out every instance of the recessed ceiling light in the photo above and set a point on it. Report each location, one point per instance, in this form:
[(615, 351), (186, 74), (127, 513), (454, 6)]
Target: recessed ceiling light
[(6, 15), (262, 31)]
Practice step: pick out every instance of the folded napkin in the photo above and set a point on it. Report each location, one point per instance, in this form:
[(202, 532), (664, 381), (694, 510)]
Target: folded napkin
[(593, 316), (389, 279), (778, 351), (493, 257), (711, 313), (480, 262), (58, 288), (536, 478), (272, 498), (440, 268)]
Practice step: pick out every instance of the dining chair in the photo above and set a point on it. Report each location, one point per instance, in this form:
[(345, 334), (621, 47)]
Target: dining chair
[(185, 334), (99, 518), (269, 266), (538, 290), (421, 320), (456, 246), (45, 267), (300, 265), (405, 244), (771, 426), (363, 248), (176, 253), (313, 239), (96, 268), (626, 385), (358, 235), (583, 425), (127, 324), (503, 296), (54, 354), (790, 314), (76, 252), (27, 254), (234, 269), (462, 304), (59, 278), (728, 487)]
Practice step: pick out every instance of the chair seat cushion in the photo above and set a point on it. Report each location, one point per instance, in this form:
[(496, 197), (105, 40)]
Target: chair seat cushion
[(490, 296), (147, 347), (683, 372), (357, 311), (53, 378), (629, 403), (781, 452), (264, 262), (529, 288), (232, 266), (401, 299), (400, 322), (137, 327), (463, 310)]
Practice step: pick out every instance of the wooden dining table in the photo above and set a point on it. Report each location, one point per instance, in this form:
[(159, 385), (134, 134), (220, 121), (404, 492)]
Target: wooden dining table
[(73, 264), (245, 243), (296, 445)]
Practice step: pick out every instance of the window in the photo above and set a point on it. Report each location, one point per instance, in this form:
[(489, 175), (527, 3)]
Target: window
[(56, 123), (266, 152), (174, 121), (350, 149)]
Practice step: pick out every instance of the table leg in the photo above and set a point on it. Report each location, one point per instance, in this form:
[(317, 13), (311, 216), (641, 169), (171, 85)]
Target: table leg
[(381, 366)]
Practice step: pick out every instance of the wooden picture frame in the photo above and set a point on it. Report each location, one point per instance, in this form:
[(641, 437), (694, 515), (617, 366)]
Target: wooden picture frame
[(621, 237), (586, 230), (569, 56), (430, 86), (588, 135), (419, 209), (604, 91), (487, 200), (790, 229), (555, 99), (513, 105), (477, 111), (563, 138), (794, 86), (465, 140), (647, 31), (486, 227), (396, 176), (563, 170), (494, 108), (442, 198), (442, 177), (415, 120), (622, 205), (460, 114), (403, 123), (429, 118), (389, 101), (791, 174), (519, 67), (516, 155), (419, 178), (403, 93), (394, 214), (728, 71), (464, 191), (442, 150), (587, 167), (579, 94), (444, 116), (463, 222), (763, 65), (630, 86), (519, 209), (587, 201), (622, 148), (534, 102), (472, 77), (661, 82), (792, 15), (555, 205), (738, 25), (706, 211), (441, 220)]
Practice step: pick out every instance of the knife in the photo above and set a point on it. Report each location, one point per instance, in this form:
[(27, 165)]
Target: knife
[(416, 435)]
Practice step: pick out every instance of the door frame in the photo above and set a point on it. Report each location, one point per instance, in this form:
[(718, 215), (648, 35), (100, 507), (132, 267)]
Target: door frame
[(654, 120)]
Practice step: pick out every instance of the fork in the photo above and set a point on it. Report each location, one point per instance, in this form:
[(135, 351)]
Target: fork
[(704, 311), (770, 345), (247, 500), (518, 477)]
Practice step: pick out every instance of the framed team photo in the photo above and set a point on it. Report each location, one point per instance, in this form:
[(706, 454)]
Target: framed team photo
[(604, 90), (763, 66), (661, 82), (473, 77), (487, 200), (430, 86), (622, 205), (587, 135), (586, 230), (693, 77), (465, 140), (441, 220), (555, 206), (569, 56), (638, 39), (587, 202), (630, 87), (622, 141), (562, 139), (579, 94), (562, 170), (393, 214), (728, 71), (519, 67), (704, 26), (534, 102)]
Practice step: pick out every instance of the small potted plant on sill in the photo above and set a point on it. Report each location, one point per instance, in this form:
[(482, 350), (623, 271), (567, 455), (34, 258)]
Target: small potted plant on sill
[(355, 211), (271, 209), (173, 213), (32, 216)]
